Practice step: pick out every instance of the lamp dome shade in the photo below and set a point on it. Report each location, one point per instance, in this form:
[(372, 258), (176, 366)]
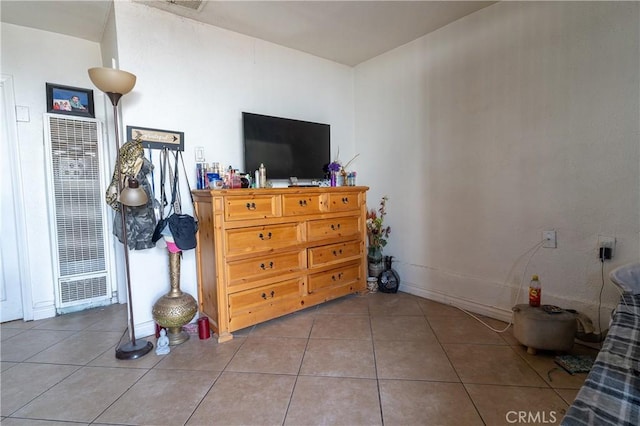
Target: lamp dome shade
[(132, 195), (110, 80)]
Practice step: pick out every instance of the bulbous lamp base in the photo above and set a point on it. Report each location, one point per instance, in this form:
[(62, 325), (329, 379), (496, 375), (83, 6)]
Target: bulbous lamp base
[(131, 350)]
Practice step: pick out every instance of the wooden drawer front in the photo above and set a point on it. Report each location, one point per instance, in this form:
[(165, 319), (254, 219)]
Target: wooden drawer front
[(334, 277), (247, 240), (263, 267), (344, 201), (297, 204), (253, 207), (262, 297), (333, 253), (333, 228)]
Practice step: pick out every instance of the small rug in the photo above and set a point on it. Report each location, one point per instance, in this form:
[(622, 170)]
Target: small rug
[(575, 363)]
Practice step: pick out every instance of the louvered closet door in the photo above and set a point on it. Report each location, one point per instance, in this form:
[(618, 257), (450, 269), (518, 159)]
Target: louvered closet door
[(77, 211)]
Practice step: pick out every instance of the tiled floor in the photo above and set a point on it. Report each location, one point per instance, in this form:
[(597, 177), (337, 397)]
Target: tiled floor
[(392, 359)]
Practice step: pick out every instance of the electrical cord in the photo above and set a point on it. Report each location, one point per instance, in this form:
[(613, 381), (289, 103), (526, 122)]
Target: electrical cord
[(600, 296), (535, 249)]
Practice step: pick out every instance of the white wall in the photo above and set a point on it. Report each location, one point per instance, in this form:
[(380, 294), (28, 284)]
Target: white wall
[(34, 57), (519, 118), (198, 79)]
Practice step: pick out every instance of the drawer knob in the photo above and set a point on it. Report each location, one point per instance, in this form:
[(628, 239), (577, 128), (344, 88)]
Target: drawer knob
[(303, 203), (337, 252), (337, 278), (263, 237), (265, 267), (345, 200), (251, 206), (264, 295), (335, 227)]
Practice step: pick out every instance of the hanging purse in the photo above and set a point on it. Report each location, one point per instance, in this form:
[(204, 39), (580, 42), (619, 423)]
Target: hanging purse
[(183, 227), (162, 221)]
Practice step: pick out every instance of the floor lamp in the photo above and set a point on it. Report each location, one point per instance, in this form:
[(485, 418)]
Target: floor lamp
[(116, 83)]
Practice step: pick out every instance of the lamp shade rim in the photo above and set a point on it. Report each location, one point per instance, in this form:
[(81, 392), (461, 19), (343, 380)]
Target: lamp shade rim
[(111, 80)]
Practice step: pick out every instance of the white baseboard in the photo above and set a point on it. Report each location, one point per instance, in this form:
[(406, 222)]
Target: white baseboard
[(471, 306), (44, 312)]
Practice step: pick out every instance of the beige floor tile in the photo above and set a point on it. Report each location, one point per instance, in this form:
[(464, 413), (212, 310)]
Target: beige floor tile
[(33, 422), (339, 358), (82, 396), (196, 354), (463, 330), (431, 309), (407, 402), (161, 397), (349, 305), (341, 327), (7, 365), (245, 399), (278, 355), (114, 319), (544, 363), (334, 401), (18, 324), (26, 381), (413, 360), (75, 322), (568, 395), (292, 325), (503, 405), (30, 342), (402, 328), (79, 349), (293, 363), (6, 333), (491, 364), (393, 304)]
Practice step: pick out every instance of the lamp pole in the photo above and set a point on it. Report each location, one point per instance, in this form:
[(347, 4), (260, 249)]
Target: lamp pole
[(116, 83)]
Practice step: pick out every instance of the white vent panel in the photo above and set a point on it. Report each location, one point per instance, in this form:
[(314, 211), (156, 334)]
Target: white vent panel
[(77, 209)]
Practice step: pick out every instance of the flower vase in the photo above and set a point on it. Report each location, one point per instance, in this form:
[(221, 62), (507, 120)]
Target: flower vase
[(375, 261), (333, 178)]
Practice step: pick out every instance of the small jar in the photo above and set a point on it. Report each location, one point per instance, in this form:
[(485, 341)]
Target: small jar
[(372, 284)]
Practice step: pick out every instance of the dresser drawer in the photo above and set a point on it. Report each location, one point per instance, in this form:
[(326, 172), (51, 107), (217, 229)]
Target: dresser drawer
[(299, 204), (262, 267), (260, 238), (344, 201), (263, 297), (334, 277), (251, 207), (333, 228), (333, 253)]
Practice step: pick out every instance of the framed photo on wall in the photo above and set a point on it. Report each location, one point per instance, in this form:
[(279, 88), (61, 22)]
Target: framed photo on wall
[(69, 100)]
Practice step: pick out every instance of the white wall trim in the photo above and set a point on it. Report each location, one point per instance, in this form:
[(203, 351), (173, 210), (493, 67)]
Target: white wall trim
[(20, 217)]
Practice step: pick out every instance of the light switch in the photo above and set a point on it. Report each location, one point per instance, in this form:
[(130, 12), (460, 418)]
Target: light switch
[(22, 113)]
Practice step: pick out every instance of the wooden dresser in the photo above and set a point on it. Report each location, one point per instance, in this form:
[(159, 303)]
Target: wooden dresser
[(264, 253)]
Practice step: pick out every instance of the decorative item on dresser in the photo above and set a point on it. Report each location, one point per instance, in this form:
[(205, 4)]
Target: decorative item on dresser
[(264, 253)]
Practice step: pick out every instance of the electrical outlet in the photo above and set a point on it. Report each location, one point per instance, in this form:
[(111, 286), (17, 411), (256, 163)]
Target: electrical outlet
[(549, 239), (606, 242), (199, 154)]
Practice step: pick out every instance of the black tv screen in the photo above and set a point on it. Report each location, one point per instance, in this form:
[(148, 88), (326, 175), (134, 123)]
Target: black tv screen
[(287, 147)]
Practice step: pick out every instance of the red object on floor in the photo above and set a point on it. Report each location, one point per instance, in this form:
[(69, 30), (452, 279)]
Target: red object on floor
[(204, 332)]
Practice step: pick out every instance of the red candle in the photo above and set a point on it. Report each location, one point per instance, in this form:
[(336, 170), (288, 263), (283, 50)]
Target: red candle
[(204, 332)]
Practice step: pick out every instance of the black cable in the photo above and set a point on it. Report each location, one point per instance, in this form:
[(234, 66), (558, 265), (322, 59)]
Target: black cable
[(600, 297)]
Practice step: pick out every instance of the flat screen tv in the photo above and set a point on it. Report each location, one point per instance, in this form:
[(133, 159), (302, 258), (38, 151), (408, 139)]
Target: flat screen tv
[(287, 147)]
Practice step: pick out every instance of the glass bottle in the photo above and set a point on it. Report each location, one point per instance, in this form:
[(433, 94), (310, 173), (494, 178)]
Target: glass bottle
[(535, 292)]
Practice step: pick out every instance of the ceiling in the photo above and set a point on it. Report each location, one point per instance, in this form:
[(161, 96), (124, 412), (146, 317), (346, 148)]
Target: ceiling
[(347, 32)]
